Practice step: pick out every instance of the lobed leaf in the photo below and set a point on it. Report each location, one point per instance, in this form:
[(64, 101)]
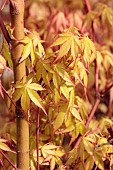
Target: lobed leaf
[(35, 98)]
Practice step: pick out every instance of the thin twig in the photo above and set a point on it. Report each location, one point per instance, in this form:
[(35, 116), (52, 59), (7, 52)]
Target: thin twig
[(2, 164), (9, 96), (97, 101), (87, 5), (3, 5), (37, 136), (11, 163), (4, 31), (78, 142), (96, 77)]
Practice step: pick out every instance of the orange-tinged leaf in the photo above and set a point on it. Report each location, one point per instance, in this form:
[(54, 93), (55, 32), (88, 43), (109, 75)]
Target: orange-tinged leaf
[(59, 120), (35, 98), (2, 62), (52, 163)]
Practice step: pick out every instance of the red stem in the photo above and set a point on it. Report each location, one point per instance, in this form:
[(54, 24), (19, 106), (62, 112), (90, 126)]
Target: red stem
[(96, 77), (37, 136), (4, 31), (87, 5), (97, 101), (2, 164), (9, 96), (2, 7), (4, 155)]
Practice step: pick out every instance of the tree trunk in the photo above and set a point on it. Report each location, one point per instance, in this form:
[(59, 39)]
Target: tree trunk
[(17, 24)]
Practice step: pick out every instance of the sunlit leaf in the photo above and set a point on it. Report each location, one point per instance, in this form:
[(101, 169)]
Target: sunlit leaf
[(35, 98), (52, 163), (62, 73), (26, 40), (89, 163), (64, 49), (26, 51), (50, 146), (99, 162), (25, 101), (4, 147), (71, 99), (17, 94), (75, 113), (60, 41), (35, 86), (65, 91), (88, 146), (56, 96), (32, 54)]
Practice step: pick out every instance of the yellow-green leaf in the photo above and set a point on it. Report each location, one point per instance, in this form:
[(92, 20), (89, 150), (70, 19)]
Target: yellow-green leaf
[(72, 98), (49, 146), (52, 163), (26, 51), (65, 91), (59, 120), (75, 113), (60, 41), (89, 163), (62, 73), (32, 54), (35, 98), (35, 86), (64, 49), (25, 101), (4, 147), (25, 40), (88, 146), (17, 94), (99, 162)]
